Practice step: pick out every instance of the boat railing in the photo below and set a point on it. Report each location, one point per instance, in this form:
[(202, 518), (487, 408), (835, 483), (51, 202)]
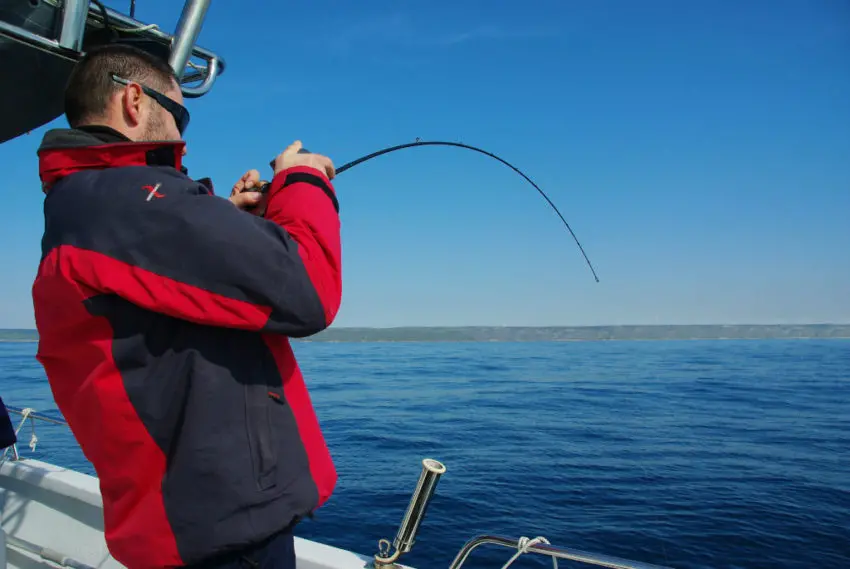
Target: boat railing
[(27, 414), (541, 546), (390, 552)]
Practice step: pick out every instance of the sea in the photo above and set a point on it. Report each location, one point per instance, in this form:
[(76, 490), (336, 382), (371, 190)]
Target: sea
[(688, 454)]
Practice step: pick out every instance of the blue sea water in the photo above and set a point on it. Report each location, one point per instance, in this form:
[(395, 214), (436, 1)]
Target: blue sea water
[(692, 454)]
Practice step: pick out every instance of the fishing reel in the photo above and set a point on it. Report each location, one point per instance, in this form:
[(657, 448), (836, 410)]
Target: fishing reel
[(264, 185)]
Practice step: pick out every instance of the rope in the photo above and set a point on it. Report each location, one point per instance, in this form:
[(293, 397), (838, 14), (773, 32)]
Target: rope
[(26, 414), (36, 415), (523, 545)]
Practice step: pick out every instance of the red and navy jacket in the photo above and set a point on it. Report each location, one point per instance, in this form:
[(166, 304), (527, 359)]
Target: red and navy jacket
[(163, 315)]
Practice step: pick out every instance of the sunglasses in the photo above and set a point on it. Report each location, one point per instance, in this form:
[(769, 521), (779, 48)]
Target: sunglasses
[(175, 109)]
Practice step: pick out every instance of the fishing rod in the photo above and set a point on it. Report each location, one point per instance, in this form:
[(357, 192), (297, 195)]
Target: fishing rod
[(419, 142)]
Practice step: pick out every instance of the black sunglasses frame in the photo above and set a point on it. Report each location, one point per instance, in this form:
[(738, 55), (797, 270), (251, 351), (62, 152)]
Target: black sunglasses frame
[(175, 109)]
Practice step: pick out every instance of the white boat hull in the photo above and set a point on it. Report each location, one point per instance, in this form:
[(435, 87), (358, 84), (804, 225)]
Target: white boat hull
[(61, 512)]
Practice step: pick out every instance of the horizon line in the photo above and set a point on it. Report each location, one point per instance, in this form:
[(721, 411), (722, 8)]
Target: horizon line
[(544, 326)]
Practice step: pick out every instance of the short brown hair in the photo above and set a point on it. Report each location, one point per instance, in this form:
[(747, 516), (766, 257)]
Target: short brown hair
[(90, 84)]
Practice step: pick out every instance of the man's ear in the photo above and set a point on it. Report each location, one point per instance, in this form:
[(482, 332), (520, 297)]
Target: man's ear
[(132, 101)]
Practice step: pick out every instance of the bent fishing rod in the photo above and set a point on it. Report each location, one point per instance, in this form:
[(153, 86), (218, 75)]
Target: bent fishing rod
[(419, 142)]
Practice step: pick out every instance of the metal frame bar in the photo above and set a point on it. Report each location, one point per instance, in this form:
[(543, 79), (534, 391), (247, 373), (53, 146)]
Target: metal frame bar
[(74, 15), (595, 559), (36, 41), (186, 34), (126, 21)]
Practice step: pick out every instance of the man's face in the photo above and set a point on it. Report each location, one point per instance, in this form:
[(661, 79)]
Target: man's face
[(160, 124)]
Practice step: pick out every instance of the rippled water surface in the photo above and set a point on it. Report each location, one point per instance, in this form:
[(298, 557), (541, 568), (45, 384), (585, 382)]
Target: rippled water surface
[(691, 454)]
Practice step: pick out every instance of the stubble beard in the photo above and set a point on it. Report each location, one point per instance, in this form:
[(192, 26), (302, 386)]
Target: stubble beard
[(155, 129)]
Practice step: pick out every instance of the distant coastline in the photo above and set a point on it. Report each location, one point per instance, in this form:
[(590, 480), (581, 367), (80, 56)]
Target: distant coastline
[(554, 333)]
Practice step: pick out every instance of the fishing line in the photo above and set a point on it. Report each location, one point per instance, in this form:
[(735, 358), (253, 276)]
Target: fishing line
[(418, 142)]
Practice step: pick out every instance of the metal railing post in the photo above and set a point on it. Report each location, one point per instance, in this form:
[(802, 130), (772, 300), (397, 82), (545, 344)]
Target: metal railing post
[(74, 15), (186, 34)]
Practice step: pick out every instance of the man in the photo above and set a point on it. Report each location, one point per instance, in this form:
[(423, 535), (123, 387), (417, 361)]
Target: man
[(163, 314), (8, 436)]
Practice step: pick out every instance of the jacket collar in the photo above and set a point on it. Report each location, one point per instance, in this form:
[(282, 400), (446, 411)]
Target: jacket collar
[(106, 134), (66, 151)]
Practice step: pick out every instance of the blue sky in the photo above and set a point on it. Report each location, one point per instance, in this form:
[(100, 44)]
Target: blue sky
[(700, 150)]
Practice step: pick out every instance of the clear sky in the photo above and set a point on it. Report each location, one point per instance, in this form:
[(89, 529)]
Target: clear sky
[(700, 150)]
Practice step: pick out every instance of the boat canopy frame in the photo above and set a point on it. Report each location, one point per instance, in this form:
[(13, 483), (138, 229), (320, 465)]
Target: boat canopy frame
[(40, 41)]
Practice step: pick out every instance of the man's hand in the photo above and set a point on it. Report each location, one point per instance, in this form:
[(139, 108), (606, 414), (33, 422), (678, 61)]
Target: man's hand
[(254, 201), (290, 157), (243, 198)]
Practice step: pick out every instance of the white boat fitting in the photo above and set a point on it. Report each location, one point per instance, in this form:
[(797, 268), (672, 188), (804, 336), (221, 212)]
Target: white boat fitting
[(53, 517)]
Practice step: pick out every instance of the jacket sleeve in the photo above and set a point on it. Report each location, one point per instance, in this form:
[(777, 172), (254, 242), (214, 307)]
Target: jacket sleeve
[(198, 258)]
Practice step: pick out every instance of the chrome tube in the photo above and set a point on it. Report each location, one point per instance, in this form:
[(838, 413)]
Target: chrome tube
[(594, 559), (431, 472), (203, 88), (74, 14), (188, 29)]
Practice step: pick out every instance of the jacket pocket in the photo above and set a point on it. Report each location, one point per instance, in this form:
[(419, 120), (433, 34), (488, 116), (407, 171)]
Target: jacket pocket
[(261, 436)]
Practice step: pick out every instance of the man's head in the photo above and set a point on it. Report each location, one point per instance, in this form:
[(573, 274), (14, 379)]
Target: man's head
[(127, 89)]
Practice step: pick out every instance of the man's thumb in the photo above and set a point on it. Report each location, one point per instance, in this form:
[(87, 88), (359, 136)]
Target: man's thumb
[(293, 148)]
